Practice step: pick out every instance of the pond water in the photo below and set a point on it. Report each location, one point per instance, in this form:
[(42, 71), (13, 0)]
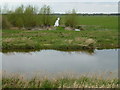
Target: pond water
[(53, 61)]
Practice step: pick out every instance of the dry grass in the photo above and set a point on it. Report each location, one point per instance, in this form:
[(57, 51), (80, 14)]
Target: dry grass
[(83, 81), (90, 41)]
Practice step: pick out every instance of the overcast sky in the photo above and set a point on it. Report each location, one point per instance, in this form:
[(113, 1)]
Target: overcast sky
[(62, 6)]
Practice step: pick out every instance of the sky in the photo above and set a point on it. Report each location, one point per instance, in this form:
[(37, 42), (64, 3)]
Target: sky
[(63, 6), (59, 0)]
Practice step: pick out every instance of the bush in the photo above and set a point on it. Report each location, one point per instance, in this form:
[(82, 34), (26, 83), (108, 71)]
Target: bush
[(0, 21), (71, 19), (5, 23), (45, 12), (30, 17), (16, 17)]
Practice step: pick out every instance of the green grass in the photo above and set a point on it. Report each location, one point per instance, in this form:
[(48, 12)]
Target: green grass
[(99, 32), (64, 82), (108, 22), (59, 39)]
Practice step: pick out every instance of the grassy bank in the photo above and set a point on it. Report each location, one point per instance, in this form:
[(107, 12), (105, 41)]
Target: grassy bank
[(65, 82), (99, 32), (59, 39)]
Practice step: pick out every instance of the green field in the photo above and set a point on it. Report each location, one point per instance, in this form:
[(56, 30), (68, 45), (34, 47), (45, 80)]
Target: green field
[(108, 22)]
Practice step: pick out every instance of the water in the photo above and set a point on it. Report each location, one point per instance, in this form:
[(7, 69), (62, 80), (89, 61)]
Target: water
[(53, 61)]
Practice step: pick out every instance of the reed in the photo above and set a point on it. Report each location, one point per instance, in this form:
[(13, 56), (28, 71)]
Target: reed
[(18, 81)]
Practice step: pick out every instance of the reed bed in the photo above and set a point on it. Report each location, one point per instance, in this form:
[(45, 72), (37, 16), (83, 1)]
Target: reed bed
[(83, 81)]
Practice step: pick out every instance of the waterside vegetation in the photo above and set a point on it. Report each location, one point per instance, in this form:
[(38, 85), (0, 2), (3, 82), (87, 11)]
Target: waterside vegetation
[(18, 81)]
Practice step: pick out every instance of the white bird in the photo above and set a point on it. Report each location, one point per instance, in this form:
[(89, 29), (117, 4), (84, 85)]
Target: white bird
[(57, 22)]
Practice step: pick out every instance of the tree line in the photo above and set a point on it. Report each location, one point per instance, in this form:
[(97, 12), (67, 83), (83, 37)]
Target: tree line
[(29, 17)]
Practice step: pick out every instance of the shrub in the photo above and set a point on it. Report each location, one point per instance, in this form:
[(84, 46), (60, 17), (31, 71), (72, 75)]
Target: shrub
[(45, 12), (5, 23), (71, 19)]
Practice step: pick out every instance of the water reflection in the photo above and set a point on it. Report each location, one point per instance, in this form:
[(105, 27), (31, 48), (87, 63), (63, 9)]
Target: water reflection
[(53, 61), (91, 51)]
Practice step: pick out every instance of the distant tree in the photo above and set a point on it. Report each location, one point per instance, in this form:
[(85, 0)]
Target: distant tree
[(71, 18), (0, 18), (5, 23), (30, 16), (16, 17), (0, 21), (19, 16), (0, 10), (45, 12)]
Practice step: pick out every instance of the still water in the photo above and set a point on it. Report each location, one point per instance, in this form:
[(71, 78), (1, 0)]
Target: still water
[(53, 61)]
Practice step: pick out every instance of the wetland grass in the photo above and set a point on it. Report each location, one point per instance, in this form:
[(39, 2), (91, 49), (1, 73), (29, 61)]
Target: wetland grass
[(17, 81), (59, 39)]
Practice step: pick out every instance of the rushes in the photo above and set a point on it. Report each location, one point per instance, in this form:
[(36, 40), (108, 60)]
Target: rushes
[(64, 82)]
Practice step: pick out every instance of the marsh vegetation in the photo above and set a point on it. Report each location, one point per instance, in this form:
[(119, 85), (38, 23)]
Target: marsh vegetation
[(17, 81)]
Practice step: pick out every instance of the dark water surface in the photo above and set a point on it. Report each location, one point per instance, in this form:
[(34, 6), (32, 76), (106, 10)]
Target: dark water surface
[(53, 61)]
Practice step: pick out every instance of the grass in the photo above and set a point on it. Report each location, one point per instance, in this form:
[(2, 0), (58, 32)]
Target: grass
[(99, 32), (59, 39), (103, 22), (17, 81), (109, 22)]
